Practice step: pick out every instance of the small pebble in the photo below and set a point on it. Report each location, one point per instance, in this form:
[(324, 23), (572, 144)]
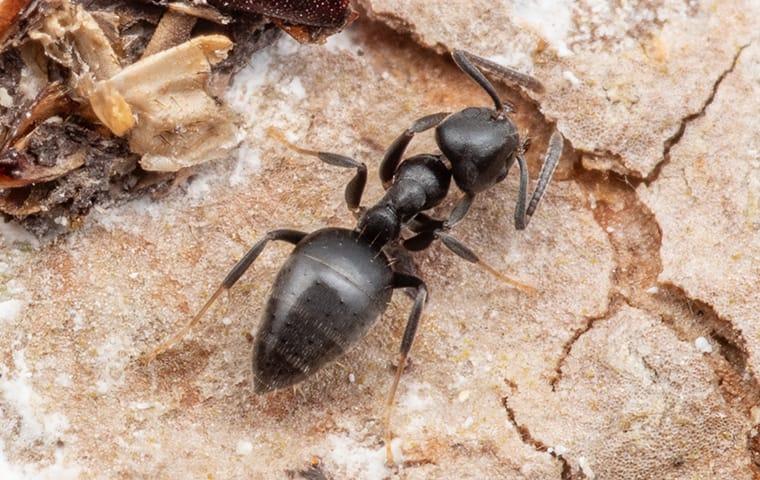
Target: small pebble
[(703, 345), (244, 447)]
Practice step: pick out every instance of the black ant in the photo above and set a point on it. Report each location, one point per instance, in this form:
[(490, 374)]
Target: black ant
[(337, 282)]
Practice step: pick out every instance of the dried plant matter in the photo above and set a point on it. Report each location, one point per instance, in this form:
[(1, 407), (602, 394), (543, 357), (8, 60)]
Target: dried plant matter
[(142, 75)]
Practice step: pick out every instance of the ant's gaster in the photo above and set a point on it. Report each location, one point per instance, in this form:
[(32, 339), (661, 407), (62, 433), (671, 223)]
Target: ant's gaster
[(337, 282)]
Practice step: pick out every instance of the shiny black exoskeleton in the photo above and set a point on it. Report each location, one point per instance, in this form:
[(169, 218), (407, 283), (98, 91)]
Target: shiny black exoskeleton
[(481, 144), (337, 282)]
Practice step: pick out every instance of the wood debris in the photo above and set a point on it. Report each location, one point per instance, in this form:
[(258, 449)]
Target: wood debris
[(94, 96)]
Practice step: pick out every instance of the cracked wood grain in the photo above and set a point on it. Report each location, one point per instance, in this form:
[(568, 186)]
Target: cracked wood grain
[(676, 137), (601, 365)]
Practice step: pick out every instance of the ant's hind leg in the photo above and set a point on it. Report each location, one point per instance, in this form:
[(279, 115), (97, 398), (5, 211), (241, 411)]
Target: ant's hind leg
[(401, 280), (290, 236), (395, 152), (524, 210), (355, 187)]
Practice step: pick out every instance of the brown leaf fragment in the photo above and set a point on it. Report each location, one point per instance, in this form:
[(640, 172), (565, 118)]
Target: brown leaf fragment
[(30, 173), (174, 28), (206, 12), (54, 100), (10, 10)]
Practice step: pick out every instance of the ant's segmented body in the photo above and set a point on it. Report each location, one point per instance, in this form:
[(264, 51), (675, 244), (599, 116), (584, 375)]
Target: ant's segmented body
[(337, 282)]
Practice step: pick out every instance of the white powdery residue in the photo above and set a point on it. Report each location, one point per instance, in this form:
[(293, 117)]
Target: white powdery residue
[(287, 45), (111, 360), (257, 74), (550, 18), (249, 79), (416, 398), (586, 468), (14, 287), (294, 89), (703, 345), (340, 42), (55, 471), (5, 99), (63, 380), (12, 232), (199, 187), (248, 162), (570, 77), (359, 461), (7, 470), (17, 392), (10, 310), (243, 448), (126, 217)]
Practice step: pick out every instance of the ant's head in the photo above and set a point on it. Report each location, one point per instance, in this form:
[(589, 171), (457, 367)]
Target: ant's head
[(379, 225), (479, 145)]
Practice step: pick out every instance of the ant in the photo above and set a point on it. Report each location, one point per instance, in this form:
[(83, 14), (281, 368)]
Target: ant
[(337, 282)]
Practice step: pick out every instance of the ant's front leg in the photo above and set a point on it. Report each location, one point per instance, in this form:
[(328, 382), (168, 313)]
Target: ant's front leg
[(422, 222), (395, 152)]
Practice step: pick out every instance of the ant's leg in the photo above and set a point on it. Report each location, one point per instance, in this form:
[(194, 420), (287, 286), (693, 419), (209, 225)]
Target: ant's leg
[(290, 236), (395, 152), (401, 260), (401, 280), (524, 210), (460, 210), (426, 236), (467, 61), (464, 252), (426, 226), (355, 187)]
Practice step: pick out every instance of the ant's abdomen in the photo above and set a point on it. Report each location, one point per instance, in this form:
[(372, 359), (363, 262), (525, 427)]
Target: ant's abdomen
[(329, 293)]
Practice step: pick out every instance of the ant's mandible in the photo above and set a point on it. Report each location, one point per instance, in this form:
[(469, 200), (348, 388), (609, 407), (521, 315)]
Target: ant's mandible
[(337, 282)]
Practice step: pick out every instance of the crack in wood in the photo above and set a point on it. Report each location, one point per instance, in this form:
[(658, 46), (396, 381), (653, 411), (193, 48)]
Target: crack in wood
[(685, 121)]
